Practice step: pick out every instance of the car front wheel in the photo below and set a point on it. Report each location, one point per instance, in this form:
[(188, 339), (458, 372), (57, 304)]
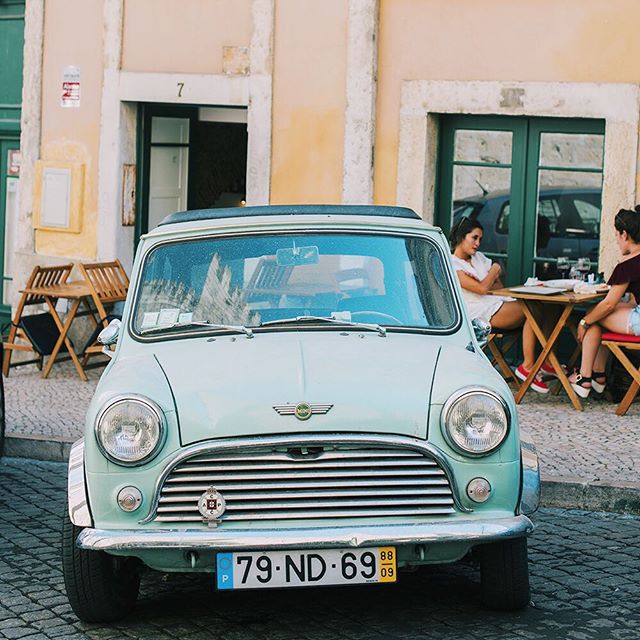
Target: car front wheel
[(504, 573), (100, 587)]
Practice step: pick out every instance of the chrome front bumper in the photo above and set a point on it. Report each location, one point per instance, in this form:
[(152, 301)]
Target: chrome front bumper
[(468, 531)]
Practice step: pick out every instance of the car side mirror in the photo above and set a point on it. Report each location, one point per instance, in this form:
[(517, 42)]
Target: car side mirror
[(109, 335), (482, 329)]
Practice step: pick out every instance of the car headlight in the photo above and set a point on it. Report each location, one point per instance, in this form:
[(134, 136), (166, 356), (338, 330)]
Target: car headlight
[(475, 421), (130, 430)]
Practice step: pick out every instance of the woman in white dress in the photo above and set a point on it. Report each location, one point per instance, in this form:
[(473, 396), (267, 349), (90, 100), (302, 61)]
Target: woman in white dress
[(478, 275)]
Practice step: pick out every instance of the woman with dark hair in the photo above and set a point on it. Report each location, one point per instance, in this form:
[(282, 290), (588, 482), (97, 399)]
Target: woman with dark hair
[(478, 275), (611, 313)]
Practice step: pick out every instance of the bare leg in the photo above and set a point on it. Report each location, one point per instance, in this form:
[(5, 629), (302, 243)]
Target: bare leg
[(528, 346), (590, 348), (508, 316), (593, 355)]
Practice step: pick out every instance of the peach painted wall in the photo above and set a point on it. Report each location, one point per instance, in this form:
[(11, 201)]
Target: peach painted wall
[(525, 40), (73, 36), (185, 36), (308, 101)]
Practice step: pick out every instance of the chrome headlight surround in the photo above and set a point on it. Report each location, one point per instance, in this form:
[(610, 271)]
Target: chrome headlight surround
[(156, 414), (461, 396)]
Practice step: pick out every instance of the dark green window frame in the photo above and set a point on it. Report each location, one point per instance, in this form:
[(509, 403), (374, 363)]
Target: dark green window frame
[(524, 165)]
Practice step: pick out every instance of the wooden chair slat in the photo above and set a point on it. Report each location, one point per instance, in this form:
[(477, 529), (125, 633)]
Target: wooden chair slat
[(39, 277), (617, 349), (109, 283)]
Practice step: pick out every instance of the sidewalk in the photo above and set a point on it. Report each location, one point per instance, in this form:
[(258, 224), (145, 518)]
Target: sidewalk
[(588, 460)]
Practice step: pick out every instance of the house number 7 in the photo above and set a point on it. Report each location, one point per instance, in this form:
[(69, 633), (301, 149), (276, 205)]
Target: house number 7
[(180, 88)]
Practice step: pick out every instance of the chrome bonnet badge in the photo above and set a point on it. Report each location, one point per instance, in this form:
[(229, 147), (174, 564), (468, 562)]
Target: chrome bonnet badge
[(211, 506), (302, 410)]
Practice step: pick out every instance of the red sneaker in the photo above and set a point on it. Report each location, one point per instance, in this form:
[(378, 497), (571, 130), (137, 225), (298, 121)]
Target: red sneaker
[(549, 371), (537, 384)]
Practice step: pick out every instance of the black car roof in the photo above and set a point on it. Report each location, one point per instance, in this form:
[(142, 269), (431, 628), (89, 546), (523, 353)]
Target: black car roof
[(504, 194), (291, 210)]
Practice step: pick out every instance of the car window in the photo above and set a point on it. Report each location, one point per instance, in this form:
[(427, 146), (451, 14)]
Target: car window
[(589, 213), (502, 223), (548, 210), (249, 280)]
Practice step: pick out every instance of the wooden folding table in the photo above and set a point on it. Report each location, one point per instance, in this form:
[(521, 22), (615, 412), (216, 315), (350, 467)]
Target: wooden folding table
[(76, 292), (567, 301)]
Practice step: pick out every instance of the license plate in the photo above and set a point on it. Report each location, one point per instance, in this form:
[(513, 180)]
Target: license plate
[(305, 568)]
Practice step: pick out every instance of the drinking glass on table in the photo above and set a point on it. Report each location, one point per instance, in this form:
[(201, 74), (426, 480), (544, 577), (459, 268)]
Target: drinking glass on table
[(563, 266), (584, 266)]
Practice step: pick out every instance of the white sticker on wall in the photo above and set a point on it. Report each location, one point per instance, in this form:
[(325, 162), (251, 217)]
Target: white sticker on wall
[(70, 87)]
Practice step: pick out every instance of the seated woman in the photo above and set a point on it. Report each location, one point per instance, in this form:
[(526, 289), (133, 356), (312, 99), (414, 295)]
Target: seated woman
[(478, 275), (611, 313)]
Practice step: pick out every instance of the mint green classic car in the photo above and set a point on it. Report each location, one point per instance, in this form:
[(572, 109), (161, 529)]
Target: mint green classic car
[(296, 398)]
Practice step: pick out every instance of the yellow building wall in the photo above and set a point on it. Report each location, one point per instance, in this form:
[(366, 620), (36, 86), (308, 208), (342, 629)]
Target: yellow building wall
[(186, 36), (526, 40), (72, 36), (308, 101)]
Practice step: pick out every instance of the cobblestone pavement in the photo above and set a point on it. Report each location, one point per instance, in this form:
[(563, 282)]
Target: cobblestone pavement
[(584, 575), (591, 445)]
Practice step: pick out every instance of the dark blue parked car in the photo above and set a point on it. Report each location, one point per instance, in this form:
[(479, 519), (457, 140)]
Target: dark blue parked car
[(568, 221)]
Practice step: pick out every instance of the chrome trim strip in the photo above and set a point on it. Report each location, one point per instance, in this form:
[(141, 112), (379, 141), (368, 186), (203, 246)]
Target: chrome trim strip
[(461, 393), (530, 496), (451, 530), (76, 490), (309, 440)]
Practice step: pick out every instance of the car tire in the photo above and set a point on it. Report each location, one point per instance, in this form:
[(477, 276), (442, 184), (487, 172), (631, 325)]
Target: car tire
[(504, 575), (100, 587)]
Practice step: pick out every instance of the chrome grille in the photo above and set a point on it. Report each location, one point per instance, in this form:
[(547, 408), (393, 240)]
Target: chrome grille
[(302, 484)]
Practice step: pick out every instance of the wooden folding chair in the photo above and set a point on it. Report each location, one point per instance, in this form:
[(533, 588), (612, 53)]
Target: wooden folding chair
[(40, 277), (108, 283), (267, 281), (616, 342), (496, 352)]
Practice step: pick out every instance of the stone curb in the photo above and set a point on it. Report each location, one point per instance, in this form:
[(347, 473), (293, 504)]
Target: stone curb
[(562, 492), (576, 493), (37, 447)]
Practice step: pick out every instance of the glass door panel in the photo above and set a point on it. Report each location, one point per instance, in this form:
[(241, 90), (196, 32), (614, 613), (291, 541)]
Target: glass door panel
[(10, 224), (481, 186), (569, 194)]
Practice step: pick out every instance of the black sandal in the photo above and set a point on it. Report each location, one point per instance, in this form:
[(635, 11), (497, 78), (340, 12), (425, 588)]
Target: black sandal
[(598, 387), (580, 385)]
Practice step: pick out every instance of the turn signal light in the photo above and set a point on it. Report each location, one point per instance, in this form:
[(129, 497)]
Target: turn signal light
[(129, 498), (479, 490)]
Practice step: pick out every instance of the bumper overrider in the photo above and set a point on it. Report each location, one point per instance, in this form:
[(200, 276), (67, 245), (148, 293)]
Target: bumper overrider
[(471, 531)]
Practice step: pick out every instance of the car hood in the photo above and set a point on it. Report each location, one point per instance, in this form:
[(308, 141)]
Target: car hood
[(229, 386)]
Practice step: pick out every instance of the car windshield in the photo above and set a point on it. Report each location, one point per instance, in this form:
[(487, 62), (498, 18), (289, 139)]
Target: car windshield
[(293, 281)]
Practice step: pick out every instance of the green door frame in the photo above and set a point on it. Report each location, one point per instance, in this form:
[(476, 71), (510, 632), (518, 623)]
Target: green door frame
[(6, 144), (12, 32), (525, 153), (513, 124), (146, 111), (538, 126)]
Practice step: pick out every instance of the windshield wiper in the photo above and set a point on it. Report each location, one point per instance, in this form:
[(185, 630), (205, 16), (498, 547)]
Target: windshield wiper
[(360, 325), (236, 328)]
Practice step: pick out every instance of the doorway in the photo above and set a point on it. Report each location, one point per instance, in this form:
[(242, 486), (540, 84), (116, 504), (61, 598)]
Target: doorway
[(534, 184), (189, 158)]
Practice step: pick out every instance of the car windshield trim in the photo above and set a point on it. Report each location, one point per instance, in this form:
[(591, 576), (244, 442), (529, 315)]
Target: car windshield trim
[(452, 328)]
